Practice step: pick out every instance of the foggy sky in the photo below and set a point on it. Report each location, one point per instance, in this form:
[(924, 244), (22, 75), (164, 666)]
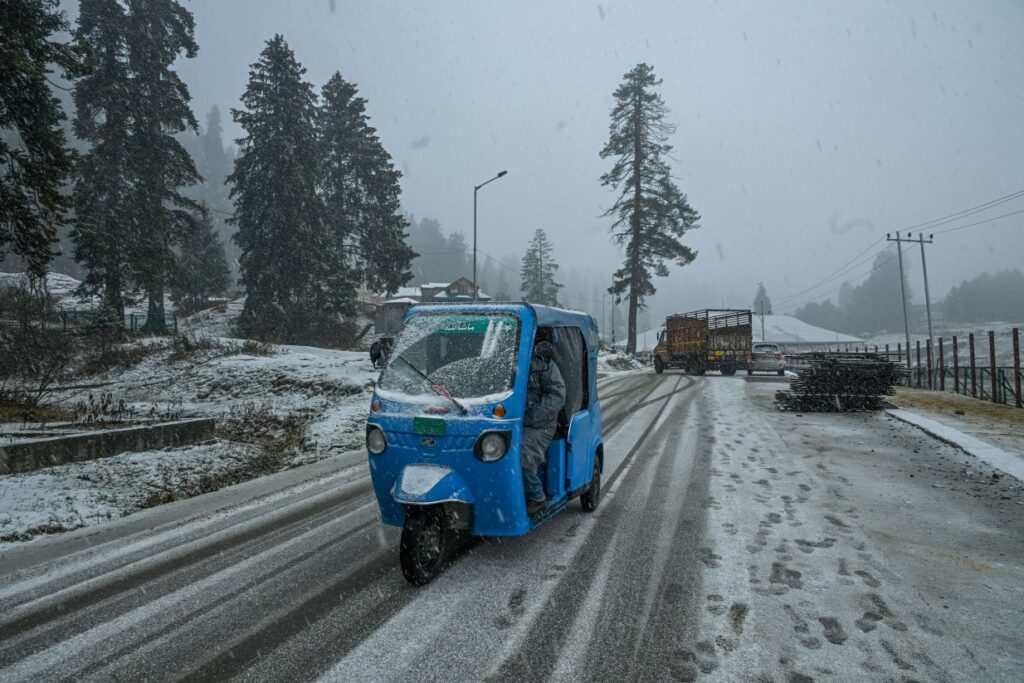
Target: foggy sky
[(806, 130)]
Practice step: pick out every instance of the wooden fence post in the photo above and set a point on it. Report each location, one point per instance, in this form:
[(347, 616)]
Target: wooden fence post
[(942, 367), (974, 366), (917, 364), (899, 353), (992, 364), (1016, 367), (929, 354), (956, 367)]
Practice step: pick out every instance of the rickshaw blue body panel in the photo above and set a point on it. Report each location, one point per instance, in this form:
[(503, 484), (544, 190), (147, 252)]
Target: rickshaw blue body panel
[(426, 469)]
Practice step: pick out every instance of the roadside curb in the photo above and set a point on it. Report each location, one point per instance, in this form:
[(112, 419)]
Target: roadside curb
[(1003, 461)]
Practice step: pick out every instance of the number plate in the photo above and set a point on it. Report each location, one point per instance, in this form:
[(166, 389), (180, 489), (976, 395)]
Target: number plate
[(428, 426)]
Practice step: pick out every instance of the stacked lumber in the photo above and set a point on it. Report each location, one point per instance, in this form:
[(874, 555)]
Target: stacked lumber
[(837, 382)]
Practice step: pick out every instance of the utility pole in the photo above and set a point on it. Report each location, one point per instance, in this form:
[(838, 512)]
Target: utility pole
[(924, 268), (903, 291)]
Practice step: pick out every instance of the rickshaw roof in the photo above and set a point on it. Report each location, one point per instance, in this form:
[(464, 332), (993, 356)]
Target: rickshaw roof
[(546, 316)]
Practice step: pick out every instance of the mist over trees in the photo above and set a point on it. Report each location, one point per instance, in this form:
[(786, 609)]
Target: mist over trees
[(651, 213), (762, 304), (538, 285), (870, 307), (34, 154), (987, 298)]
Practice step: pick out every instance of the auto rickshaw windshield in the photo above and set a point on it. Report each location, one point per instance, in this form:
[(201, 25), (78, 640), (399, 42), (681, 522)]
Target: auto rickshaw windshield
[(463, 356)]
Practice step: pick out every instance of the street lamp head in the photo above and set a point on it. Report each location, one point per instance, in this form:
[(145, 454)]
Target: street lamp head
[(502, 173)]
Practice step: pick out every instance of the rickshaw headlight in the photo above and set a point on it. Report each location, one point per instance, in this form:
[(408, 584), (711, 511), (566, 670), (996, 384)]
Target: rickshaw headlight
[(375, 441), (491, 446)]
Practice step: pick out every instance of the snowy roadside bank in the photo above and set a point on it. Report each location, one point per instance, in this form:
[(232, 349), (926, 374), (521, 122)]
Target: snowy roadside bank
[(277, 407), (996, 457)]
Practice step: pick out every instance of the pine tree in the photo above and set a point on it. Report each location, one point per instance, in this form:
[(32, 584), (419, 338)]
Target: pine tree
[(762, 304), (101, 234), (129, 201), (214, 161), (35, 157), (202, 270), (537, 276), (295, 277), (361, 191), (651, 214), (158, 33)]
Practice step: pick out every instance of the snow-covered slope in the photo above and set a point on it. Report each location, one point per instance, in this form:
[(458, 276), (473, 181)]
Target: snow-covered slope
[(786, 328)]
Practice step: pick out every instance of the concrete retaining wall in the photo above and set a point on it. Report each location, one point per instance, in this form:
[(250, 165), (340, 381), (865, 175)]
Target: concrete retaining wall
[(33, 455)]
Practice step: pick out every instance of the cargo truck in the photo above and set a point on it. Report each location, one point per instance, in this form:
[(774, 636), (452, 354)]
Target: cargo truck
[(709, 339)]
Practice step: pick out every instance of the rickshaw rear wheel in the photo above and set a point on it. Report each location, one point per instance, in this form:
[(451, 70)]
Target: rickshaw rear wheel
[(590, 498), (426, 544)]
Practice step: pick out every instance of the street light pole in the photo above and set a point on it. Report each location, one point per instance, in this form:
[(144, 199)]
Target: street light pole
[(476, 188)]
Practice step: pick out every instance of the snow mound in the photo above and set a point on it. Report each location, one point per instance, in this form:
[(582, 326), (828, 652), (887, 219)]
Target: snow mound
[(218, 321), (617, 362)]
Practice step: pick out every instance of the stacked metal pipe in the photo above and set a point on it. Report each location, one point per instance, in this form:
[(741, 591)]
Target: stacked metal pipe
[(835, 382)]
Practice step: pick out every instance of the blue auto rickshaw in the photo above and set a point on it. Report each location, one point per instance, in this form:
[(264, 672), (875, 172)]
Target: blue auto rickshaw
[(446, 423)]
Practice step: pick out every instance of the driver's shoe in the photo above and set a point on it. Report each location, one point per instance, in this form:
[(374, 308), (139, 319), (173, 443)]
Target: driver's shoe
[(535, 507)]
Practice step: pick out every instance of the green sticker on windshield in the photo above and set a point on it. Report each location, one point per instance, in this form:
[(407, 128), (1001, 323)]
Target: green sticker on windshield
[(428, 426), (463, 325)]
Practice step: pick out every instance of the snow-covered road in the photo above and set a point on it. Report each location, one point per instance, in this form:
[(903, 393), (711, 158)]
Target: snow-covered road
[(734, 543)]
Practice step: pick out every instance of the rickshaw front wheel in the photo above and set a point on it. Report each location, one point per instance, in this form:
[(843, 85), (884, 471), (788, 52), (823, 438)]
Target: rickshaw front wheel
[(592, 496), (425, 545)]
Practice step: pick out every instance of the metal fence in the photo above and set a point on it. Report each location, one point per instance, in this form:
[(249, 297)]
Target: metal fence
[(71, 320), (969, 369)]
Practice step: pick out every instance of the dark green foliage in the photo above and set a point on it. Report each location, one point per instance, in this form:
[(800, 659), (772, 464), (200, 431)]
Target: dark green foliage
[(35, 159), (361, 191), (101, 234), (295, 275), (130, 208), (651, 214), (538, 284), (987, 298), (762, 304), (202, 270)]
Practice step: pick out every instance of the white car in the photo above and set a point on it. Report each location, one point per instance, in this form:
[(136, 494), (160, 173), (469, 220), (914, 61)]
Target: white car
[(766, 357)]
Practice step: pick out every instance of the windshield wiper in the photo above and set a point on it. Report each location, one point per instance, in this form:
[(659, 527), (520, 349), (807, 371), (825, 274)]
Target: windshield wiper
[(434, 386)]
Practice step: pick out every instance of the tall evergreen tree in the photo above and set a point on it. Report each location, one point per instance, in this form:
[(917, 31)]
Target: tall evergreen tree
[(429, 242), (214, 160), (651, 214), (101, 234), (537, 276), (361, 191), (295, 277), (36, 161), (158, 33), (129, 200), (762, 304), (202, 270)]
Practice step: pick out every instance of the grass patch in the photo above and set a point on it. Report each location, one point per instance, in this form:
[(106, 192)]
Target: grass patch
[(14, 412), (949, 403)]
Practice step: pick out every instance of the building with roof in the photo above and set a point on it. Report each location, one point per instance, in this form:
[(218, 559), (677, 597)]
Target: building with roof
[(391, 312)]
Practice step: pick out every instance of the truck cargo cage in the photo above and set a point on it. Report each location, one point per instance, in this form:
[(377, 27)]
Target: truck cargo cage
[(708, 339)]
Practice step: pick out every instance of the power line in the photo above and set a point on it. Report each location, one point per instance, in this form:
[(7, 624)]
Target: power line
[(935, 222), (971, 225)]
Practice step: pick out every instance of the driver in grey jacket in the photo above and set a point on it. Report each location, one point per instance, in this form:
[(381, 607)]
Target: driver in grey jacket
[(545, 396)]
